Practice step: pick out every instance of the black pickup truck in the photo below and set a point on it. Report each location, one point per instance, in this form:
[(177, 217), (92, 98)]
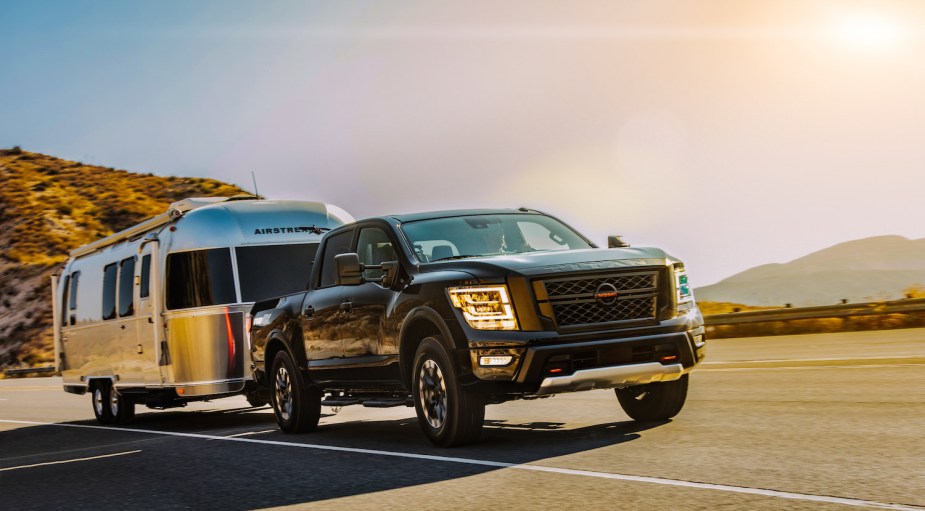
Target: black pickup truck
[(450, 311)]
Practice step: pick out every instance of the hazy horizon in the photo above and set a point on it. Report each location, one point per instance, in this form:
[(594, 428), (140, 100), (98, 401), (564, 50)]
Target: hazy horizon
[(731, 134)]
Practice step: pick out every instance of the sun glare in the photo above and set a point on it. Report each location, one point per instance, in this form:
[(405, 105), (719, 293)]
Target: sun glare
[(869, 33)]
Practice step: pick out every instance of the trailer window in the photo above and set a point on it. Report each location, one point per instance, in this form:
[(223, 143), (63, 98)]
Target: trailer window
[(72, 299), (109, 290), (64, 296), (145, 276), (126, 279), (269, 271), (200, 278)]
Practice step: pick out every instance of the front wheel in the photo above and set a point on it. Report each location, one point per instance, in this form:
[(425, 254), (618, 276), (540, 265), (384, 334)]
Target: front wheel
[(449, 414), (654, 401), (297, 407)]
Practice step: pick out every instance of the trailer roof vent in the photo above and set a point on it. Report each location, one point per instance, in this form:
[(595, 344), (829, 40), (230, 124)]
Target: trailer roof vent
[(179, 208)]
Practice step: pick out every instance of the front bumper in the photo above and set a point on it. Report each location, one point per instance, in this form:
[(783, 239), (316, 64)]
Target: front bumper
[(610, 377), (551, 367)]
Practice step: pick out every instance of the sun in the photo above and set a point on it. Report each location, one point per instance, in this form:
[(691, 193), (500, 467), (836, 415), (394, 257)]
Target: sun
[(869, 32)]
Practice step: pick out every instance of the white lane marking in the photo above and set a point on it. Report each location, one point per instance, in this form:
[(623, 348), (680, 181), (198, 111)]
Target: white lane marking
[(499, 464), (806, 368), (833, 359), (69, 461), (248, 433)]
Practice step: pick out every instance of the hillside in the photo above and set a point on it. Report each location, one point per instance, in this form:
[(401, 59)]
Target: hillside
[(49, 206), (878, 268)]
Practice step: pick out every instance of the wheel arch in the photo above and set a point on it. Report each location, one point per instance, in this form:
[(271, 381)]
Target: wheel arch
[(421, 323)]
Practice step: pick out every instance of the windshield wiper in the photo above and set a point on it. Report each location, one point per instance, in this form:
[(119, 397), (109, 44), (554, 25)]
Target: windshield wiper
[(450, 258)]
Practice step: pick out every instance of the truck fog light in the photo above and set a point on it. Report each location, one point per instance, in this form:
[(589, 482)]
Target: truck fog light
[(495, 360), (698, 340)]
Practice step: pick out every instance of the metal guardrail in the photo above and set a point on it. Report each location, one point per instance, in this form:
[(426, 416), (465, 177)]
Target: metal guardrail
[(826, 311), (29, 370)]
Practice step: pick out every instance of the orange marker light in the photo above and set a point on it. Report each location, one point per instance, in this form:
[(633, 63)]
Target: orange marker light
[(180, 391), (667, 358), (555, 370)]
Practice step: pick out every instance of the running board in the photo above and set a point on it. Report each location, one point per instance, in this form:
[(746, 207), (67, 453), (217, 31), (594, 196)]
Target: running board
[(375, 402)]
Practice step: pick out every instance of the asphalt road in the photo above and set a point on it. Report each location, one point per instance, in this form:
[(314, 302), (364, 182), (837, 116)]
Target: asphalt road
[(819, 422)]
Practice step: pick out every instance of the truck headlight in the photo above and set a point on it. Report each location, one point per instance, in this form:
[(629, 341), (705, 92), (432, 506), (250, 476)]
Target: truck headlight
[(685, 295), (485, 307)]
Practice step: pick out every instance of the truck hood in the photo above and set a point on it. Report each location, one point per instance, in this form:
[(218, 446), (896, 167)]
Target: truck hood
[(540, 263)]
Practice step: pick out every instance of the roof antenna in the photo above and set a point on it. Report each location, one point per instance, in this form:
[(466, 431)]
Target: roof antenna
[(254, 178)]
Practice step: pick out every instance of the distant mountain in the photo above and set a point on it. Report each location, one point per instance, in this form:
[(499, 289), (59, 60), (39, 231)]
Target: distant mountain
[(49, 206), (869, 269)]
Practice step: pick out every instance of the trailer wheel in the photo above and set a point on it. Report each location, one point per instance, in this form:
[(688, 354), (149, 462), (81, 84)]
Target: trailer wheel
[(449, 414), (100, 398), (111, 406), (654, 401), (297, 407), (121, 407)]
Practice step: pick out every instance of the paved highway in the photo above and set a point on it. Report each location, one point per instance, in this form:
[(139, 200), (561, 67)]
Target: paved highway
[(818, 422)]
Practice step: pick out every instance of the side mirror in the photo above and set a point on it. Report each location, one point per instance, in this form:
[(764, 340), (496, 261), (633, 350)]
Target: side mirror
[(349, 270), (616, 241), (390, 273)]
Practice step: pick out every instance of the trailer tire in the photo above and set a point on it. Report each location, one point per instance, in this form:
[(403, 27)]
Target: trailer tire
[(99, 398), (296, 405), (121, 407)]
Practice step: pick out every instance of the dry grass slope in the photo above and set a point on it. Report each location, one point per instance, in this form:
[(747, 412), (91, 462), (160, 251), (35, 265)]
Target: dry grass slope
[(49, 206)]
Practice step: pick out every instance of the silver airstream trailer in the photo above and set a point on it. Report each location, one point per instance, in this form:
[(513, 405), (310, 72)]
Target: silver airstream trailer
[(156, 314)]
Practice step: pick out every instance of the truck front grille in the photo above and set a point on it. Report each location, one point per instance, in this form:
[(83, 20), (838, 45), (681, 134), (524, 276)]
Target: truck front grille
[(577, 301)]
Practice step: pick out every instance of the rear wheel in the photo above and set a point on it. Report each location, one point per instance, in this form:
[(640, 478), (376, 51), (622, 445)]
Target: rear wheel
[(297, 407), (654, 401), (449, 414)]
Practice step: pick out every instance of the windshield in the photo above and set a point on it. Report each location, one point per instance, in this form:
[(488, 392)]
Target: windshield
[(268, 271), (486, 235)]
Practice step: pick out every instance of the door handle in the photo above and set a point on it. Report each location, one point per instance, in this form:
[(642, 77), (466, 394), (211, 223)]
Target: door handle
[(346, 305), (308, 312)]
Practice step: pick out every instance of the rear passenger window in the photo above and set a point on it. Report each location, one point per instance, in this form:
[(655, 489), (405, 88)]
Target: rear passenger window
[(200, 278), (336, 245), (126, 279), (109, 290)]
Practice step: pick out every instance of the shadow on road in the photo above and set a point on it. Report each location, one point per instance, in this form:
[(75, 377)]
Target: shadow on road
[(172, 472)]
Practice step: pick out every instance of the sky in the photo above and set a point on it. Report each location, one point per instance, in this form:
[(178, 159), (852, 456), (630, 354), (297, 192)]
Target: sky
[(729, 133)]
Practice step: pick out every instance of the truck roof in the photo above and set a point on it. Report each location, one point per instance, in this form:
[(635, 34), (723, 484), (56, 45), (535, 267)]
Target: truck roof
[(431, 215)]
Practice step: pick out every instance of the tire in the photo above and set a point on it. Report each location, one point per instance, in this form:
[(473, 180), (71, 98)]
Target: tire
[(449, 414), (111, 406), (297, 407), (257, 399), (99, 399), (654, 401)]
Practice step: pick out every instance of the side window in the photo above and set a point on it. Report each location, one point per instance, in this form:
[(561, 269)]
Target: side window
[(145, 290), (109, 290), (200, 278), (64, 297), (72, 299), (374, 247), (126, 279), (336, 245)]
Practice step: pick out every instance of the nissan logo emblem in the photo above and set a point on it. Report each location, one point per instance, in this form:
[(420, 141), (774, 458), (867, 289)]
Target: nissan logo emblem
[(606, 294)]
